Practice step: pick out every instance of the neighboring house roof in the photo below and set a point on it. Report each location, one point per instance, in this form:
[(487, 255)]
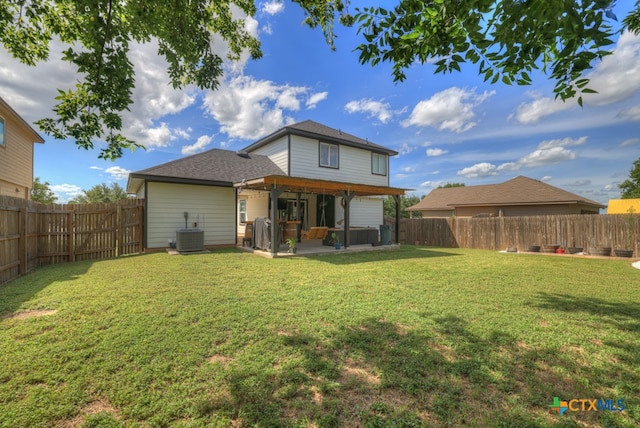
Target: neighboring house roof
[(517, 191), (216, 166), (316, 130), (34, 135), (622, 206)]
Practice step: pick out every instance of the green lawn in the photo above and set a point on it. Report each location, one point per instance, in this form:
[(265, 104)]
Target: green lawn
[(415, 337)]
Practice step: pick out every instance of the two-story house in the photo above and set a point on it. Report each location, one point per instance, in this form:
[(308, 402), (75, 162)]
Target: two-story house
[(17, 138), (306, 174)]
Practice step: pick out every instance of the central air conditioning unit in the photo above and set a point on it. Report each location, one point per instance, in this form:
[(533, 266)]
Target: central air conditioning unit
[(189, 240)]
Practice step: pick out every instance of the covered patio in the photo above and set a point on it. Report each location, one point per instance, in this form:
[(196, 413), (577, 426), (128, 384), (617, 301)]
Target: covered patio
[(276, 185)]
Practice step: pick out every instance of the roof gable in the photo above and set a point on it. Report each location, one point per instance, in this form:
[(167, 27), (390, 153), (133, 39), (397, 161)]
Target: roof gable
[(316, 130), (517, 191), (223, 167), (10, 112)]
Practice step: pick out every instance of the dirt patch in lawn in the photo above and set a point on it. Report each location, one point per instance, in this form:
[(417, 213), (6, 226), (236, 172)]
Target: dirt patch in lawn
[(93, 408), (30, 314), (220, 359)]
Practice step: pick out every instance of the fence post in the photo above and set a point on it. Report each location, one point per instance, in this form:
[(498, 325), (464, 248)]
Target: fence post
[(120, 227), (71, 248), (22, 240)]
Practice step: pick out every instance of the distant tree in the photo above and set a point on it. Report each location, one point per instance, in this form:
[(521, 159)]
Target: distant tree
[(631, 187), (101, 193), (405, 202), (42, 193), (448, 185)]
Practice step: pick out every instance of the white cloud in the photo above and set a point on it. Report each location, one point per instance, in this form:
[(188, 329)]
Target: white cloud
[(632, 113), (201, 143), (629, 142), (432, 184), (96, 167), (314, 99), (408, 169), (548, 152), (528, 113), (436, 152), (182, 133), (451, 109), (273, 7), (64, 192), (157, 137), (483, 169), (546, 178), (378, 109), (249, 109), (405, 149), (616, 78), (564, 142), (118, 173)]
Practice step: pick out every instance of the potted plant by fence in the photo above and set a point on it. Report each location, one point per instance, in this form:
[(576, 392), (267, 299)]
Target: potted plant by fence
[(291, 242), (335, 240), (628, 251)]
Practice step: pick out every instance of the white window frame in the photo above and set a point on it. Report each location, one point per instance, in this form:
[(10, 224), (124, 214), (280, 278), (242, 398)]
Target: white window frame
[(242, 210), (333, 155), (378, 164)]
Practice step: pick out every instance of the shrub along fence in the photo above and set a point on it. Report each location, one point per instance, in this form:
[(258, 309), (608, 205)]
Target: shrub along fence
[(33, 234), (500, 233)]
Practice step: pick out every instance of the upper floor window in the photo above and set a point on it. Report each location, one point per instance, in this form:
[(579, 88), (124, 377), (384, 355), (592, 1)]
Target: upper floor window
[(378, 164), (1, 131), (329, 155)]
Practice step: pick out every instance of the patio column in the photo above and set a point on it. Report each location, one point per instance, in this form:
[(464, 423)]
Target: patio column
[(398, 200), (298, 227), (275, 239), (347, 196)]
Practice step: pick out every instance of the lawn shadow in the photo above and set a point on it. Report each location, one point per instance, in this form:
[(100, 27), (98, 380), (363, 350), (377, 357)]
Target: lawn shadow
[(15, 293), (404, 253), (622, 315), (378, 373)]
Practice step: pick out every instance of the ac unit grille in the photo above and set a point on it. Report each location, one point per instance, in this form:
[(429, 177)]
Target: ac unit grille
[(190, 240)]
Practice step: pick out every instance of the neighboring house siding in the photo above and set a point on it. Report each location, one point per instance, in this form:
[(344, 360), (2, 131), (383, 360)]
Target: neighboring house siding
[(277, 151), (354, 163), (212, 207), (537, 210), (16, 159)]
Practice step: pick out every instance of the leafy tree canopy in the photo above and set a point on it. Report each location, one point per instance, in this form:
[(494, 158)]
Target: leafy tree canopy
[(101, 193), (507, 39), (405, 202), (631, 186), (42, 193), (448, 185), (99, 33)]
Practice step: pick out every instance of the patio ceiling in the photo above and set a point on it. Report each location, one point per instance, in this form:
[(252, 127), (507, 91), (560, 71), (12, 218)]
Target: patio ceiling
[(308, 185)]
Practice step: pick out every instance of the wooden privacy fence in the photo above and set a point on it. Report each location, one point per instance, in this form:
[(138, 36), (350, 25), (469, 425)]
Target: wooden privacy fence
[(499, 233), (33, 234)]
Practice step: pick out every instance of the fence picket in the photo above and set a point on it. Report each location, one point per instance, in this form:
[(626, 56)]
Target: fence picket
[(33, 234), (499, 233)]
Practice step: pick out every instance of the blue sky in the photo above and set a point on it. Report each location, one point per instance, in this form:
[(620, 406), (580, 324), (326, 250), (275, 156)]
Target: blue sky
[(447, 128)]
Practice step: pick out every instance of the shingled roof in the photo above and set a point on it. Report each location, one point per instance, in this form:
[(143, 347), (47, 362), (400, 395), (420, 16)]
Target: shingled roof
[(517, 191), (216, 166), (316, 130)]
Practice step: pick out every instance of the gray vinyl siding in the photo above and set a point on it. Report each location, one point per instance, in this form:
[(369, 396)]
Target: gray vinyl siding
[(212, 207), (354, 164), (277, 151)]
